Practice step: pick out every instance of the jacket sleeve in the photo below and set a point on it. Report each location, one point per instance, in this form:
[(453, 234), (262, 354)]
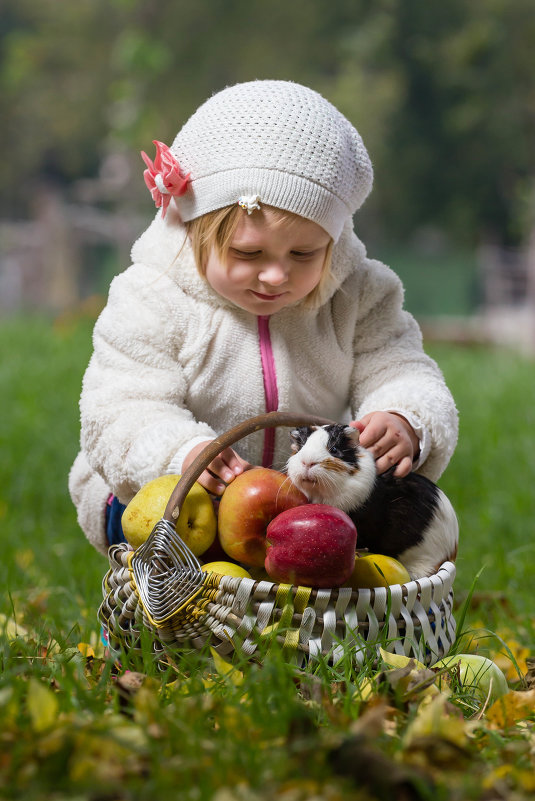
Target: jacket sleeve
[(133, 411), (393, 373)]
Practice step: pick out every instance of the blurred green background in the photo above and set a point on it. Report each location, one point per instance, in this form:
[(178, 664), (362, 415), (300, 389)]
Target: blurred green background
[(442, 93), (444, 97)]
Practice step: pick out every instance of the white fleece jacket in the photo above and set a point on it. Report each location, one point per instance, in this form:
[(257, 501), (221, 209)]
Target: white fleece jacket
[(175, 363)]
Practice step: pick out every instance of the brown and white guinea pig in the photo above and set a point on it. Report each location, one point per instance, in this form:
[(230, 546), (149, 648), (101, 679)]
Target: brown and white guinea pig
[(408, 518)]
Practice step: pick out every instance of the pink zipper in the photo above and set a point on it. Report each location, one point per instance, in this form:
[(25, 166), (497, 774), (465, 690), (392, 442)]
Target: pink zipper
[(270, 386)]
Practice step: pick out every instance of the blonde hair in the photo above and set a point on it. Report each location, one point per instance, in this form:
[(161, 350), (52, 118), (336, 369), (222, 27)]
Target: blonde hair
[(215, 230)]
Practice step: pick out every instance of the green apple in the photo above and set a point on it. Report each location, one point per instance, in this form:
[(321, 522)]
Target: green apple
[(196, 524), (478, 674)]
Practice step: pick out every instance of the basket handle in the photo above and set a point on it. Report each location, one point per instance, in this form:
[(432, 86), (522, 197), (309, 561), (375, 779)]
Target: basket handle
[(213, 448)]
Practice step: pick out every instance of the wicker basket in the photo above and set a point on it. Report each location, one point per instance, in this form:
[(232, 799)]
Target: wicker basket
[(160, 588)]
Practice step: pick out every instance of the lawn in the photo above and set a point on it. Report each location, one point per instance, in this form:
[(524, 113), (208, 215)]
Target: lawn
[(72, 730)]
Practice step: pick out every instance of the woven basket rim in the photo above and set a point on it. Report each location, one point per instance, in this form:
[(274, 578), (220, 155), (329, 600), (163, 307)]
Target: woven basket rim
[(446, 572)]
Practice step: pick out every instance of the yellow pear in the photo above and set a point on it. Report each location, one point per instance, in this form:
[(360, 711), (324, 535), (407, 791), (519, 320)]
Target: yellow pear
[(196, 524), (376, 570), (226, 569)]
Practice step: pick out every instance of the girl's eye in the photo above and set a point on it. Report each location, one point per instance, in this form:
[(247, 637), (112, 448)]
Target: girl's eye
[(245, 254), (302, 255)]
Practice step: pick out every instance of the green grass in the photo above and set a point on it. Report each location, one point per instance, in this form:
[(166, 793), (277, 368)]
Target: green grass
[(70, 730), (41, 369), (491, 476)]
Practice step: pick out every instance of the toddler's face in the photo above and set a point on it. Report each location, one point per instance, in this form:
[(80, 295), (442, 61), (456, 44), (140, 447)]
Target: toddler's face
[(269, 265)]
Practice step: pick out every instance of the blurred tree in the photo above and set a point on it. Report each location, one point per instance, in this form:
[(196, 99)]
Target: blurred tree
[(80, 80), (445, 97), (444, 94), (53, 73)]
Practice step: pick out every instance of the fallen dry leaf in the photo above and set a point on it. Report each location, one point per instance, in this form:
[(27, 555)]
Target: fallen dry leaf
[(506, 661), (226, 668), (42, 705), (439, 719), (86, 649), (511, 708), (11, 629), (529, 678)]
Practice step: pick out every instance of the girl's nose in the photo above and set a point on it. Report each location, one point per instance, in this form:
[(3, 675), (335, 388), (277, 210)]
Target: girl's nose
[(274, 274)]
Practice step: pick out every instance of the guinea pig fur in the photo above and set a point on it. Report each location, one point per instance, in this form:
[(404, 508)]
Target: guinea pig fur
[(408, 518)]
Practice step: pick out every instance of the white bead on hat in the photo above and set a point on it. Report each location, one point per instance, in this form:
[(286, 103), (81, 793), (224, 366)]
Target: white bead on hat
[(249, 203)]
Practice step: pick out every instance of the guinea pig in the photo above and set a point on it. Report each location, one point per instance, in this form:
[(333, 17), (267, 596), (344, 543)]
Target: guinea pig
[(408, 518)]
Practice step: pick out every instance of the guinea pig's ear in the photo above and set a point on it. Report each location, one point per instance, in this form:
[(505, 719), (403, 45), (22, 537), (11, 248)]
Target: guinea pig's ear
[(296, 440), (353, 434), (299, 436)]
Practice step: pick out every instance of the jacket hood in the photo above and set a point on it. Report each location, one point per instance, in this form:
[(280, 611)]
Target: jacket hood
[(164, 246)]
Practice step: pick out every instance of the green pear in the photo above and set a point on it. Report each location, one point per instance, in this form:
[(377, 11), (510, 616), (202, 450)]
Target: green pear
[(196, 524)]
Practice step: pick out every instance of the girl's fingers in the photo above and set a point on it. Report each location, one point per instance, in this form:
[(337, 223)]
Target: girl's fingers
[(404, 467), (234, 462), (386, 436), (221, 470), (371, 435), (395, 456), (211, 483)]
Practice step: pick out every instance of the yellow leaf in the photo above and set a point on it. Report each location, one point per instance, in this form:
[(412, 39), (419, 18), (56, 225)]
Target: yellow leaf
[(86, 649), (434, 720), (366, 689), (270, 630), (399, 660), (8, 706), (11, 629), (520, 654), (523, 778), (226, 669), (42, 705), (511, 709), (408, 676)]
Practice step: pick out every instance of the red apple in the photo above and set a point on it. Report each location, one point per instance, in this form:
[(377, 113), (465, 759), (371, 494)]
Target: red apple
[(248, 505), (311, 545)]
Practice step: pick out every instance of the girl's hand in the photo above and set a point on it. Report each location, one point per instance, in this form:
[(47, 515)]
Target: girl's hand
[(221, 471), (390, 439)]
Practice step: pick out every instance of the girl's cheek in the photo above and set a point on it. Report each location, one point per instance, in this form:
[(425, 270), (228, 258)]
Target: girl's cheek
[(240, 273)]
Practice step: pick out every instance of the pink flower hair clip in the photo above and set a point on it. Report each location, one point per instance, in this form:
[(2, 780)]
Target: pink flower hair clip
[(163, 176)]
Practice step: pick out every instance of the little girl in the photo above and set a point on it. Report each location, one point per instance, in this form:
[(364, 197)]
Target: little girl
[(250, 292)]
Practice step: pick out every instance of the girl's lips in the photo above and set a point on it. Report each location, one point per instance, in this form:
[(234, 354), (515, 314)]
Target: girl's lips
[(266, 297)]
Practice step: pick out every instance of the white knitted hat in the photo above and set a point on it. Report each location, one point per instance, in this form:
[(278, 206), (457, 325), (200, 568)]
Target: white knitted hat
[(279, 141)]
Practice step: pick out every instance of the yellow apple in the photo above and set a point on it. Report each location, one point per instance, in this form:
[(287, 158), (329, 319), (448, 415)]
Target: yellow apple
[(196, 524), (376, 570), (226, 569)]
